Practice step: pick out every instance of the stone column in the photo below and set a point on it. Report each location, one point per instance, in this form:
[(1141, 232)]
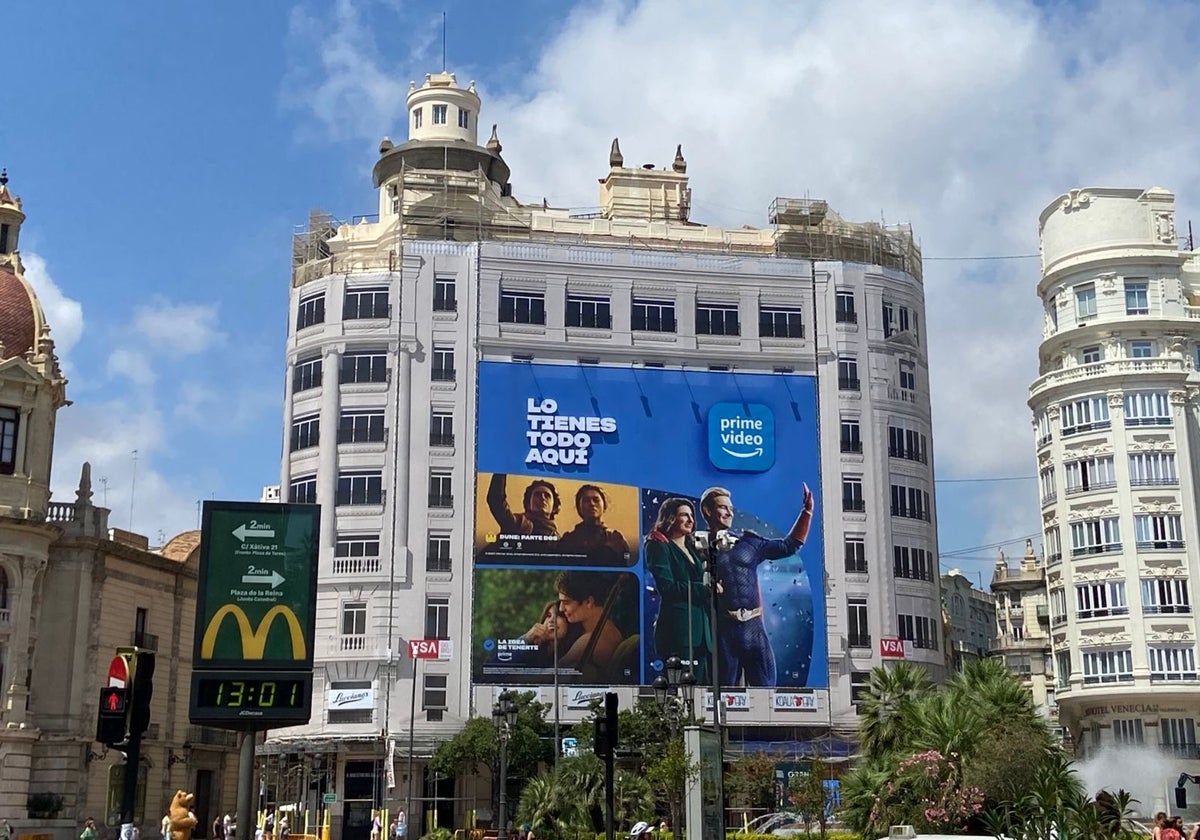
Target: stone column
[(328, 463)]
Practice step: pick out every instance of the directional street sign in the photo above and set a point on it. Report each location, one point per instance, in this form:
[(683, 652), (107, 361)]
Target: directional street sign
[(258, 565)]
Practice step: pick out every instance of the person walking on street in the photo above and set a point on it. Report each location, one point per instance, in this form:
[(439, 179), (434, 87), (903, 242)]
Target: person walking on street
[(88, 833)]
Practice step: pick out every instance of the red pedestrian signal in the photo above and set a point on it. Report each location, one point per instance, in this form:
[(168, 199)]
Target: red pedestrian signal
[(110, 727)]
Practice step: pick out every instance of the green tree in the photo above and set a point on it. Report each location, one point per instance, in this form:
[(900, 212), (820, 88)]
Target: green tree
[(808, 796), (884, 711), (750, 782), (477, 744), (669, 771)]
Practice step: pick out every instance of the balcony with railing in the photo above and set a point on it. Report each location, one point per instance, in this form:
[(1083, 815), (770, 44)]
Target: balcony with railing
[(1075, 490), (5, 617), (356, 566), (1109, 368)]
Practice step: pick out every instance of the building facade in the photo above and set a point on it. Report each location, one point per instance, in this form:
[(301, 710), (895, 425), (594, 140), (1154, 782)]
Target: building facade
[(1022, 629), (393, 316), (72, 591), (1115, 419), (970, 620)]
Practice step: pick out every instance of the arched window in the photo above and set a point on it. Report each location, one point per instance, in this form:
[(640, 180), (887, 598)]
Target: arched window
[(3, 589)]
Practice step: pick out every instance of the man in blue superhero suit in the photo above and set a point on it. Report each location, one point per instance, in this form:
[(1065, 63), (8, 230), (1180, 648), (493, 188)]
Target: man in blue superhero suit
[(743, 649)]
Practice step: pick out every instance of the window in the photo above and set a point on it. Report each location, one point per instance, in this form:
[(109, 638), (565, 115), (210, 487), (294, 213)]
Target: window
[(361, 487), (464, 118), (1095, 536), (440, 493), (306, 374), (856, 554), (1152, 469), (361, 426), (1044, 433), (908, 375), (363, 367), (845, 313), (1085, 302), (1141, 349), (311, 311), (437, 617), (303, 490), (437, 552), (1172, 663), (780, 322), (441, 428), (1062, 665), (653, 315), (443, 364), (366, 302), (4, 229), (439, 114), (9, 423), (1147, 408), (1053, 545), (443, 295), (1099, 600), (910, 502), (847, 373), (1127, 731), (592, 312), (1052, 311), (522, 307), (1165, 595), (1158, 531), (417, 117), (852, 494), (912, 563), (354, 618), (851, 440), (1046, 480), (306, 431), (356, 555), (1137, 297), (860, 686), (717, 319), (858, 634), (1090, 474), (1058, 607), (1107, 666), (1085, 415), (1091, 355), (919, 630), (1178, 735), (908, 444), (895, 319), (433, 696)]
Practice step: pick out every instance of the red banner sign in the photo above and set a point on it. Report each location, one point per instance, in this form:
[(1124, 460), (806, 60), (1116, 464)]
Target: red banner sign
[(891, 648), (430, 649)]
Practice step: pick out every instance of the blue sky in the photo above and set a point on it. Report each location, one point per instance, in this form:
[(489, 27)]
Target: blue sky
[(165, 153)]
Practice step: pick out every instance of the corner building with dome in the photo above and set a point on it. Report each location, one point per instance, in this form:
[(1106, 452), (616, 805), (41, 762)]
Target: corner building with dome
[(1115, 413), (456, 352)]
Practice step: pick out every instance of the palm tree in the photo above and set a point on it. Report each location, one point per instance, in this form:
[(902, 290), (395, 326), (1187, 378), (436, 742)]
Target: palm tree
[(882, 712)]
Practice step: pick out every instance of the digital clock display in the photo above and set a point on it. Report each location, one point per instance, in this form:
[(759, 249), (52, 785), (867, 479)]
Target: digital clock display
[(251, 698)]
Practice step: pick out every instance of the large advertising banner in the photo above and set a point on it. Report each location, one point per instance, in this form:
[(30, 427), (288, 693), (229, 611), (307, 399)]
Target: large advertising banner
[(603, 492)]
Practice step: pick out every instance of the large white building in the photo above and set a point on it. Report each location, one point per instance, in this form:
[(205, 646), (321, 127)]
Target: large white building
[(391, 316), (1115, 416)]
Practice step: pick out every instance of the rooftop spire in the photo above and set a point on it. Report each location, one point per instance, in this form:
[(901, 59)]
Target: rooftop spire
[(615, 158)]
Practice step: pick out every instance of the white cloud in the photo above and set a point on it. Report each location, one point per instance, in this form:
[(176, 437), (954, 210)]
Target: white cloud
[(131, 365), (177, 328), (965, 119), (64, 314)]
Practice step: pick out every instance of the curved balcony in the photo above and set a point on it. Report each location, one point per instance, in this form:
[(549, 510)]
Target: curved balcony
[(1113, 368)]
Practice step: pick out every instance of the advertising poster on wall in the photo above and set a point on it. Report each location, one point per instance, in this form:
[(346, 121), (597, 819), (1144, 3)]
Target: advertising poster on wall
[(602, 491)]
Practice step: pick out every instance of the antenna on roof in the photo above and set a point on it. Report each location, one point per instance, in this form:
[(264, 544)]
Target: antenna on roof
[(443, 40)]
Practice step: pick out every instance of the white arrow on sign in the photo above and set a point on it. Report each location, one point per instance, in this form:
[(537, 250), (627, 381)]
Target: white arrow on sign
[(241, 532), (274, 579)]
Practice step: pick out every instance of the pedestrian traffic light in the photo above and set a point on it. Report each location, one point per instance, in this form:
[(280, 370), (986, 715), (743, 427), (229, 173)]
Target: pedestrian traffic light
[(604, 735), (110, 726)]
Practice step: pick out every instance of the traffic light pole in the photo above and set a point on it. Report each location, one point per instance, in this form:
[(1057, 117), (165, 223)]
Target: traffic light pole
[(133, 756), (246, 793)]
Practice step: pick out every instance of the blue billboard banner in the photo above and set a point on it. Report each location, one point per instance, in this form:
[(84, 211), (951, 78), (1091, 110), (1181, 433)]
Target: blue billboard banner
[(601, 495)]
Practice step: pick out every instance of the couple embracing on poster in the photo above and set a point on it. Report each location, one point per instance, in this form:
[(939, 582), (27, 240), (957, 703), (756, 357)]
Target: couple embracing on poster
[(683, 627)]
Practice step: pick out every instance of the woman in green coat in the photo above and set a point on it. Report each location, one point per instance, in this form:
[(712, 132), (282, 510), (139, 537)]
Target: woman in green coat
[(682, 627)]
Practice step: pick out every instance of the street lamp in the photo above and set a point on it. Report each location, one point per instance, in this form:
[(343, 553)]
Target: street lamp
[(504, 715), (675, 693)]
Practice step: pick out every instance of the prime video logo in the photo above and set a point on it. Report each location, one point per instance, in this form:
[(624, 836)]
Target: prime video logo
[(741, 437)]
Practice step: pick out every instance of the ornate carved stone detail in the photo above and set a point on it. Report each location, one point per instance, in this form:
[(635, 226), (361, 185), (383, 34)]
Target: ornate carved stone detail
[(1173, 633), (1052, 411), (1106, 636), (1075, 200), (1116, 401), (1178, 396), (1164, 226), (1107, 282)]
